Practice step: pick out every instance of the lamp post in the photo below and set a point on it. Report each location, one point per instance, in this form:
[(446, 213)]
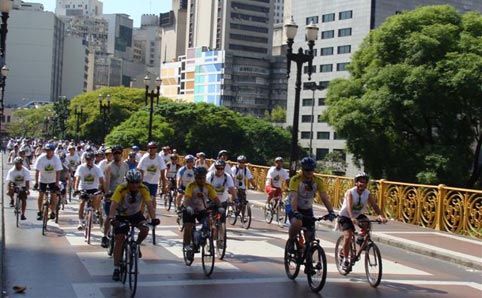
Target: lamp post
[(61, 108), (152, 94), (104, 111), (5, 7), (300, 58), (313, 88), (78, 117)]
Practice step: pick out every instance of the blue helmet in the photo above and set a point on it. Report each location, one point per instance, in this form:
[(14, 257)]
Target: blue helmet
[(308, 163), (49, 146)]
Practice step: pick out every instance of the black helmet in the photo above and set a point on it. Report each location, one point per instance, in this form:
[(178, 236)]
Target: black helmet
[(134, 176), (200, 171), (220, 163), (242, 158), (222, 152), (362, 175), (117, 148), (89, 155), (132, 154), (308, 163)]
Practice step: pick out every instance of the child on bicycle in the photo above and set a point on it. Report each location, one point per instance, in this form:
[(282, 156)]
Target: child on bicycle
[(352, 212)]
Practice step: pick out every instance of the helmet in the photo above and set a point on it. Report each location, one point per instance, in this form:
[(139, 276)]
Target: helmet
[(88, 148), (152, 145), (135, 147), (134, 176), (308, 163), (99, 153), (201, 154), (89, 155), (117, 148), (132, 154), (279, 158), (242, 158), (107, 150), (222, 152), (220, 163), (189, 158), (362, 175), (174, 156), (18, 159), (49, 146), (200, 171)]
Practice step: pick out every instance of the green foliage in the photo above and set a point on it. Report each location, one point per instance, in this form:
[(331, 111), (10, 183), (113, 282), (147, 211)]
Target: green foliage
[(29, 122), (414, 98), (278, 115), (333, 162)]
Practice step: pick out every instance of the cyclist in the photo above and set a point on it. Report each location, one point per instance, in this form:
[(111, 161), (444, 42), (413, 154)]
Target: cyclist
[(352, 211), (171, 171), (47, 171), (303, 189), (274, 179), (107, 160), (99, 157), (184, 176), (137, 150), (196, 203), (22, 154), (64, 177), (131, 160), (223, 155), (18, 176), (152, 167), (89, 178), (166, 154), (223, 184), (242, 175), (127, 202), (114, 175), (72, 158), (201, 160)]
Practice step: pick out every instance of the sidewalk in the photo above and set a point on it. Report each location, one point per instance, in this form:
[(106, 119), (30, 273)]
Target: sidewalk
[(453, 248)]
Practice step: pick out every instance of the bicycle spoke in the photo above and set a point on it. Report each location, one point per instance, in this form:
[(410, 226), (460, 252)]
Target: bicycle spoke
[(373, 265), (316, 268)]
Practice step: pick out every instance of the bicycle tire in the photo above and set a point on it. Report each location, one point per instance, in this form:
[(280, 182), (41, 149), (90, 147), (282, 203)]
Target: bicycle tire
[(123, 262), (167, 200), (208, 255), (221, 239), (246, 216), (268, 213), (373, 265), (133, 268), (45, 214), (232, 217), (280, 216), (110, 249), (291, 259), (180, 222), (17, 209), (153, 235), (338, 257), (57, 209), (88, 226), (316, 268)]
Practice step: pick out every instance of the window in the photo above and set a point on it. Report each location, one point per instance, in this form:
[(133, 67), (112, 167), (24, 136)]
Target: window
[(321, 102), (306, 134), (343, 15), (337, 136), (344, 49), (344, 32), (341, 66), (313, 69), (329, 17), (326, 51), (307, 102), (323, 135), (324, 84), (306, 118), (321, 153), (312, 19), (315, 52), (328, 34), (326, 68)]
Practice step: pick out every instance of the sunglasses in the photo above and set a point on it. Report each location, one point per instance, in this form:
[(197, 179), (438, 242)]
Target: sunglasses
[(219, 168)]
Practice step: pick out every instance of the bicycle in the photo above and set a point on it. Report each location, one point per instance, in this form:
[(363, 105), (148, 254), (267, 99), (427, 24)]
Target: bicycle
[(45, 210), (179, 219), (277, 208), (241, 209), (373, 258), (310, 254), (220, 235), (171, 194), (61, 200), (201, 239), (20, 194), (88, 212)]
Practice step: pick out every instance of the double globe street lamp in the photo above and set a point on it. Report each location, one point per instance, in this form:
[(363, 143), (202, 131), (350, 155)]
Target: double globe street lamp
[(104, 112), (300, 58), (152, 94), (78, 117)]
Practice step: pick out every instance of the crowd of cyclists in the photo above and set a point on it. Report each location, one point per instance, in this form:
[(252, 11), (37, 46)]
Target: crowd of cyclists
[(126, 188)]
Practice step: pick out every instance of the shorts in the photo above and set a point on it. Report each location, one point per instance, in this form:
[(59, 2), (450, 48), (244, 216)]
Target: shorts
[(88, 191), (346, 223), (273, 191), (242, 194), (51, 186), (191, 218), (106, 206), (308, 221), (152, 188), (137, 220)]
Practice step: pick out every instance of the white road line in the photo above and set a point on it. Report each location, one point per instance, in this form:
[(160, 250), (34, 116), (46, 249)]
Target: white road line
[(473, 241)]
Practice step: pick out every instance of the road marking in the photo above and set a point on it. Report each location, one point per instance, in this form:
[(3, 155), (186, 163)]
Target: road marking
[(473, 241)]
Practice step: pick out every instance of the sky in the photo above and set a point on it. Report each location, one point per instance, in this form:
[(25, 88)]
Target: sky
[(134, 8)]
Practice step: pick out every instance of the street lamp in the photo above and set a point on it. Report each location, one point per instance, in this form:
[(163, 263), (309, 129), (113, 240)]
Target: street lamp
[(61, 109), (153, 94), (104, 110), (78, 117), (5, 7), (313, 88), (300, 58)]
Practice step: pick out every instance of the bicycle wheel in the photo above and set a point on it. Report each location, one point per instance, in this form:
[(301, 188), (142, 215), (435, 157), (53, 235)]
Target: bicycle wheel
[(291, 259), (338, 257), (221, 240), (268, 213), (316, 268), (373, 264), (280, 214), (88, 226), (168, 200), (246, 216), (180, 222), (17, 208), (232, 217), (57, 209), (45, 215), (133, 269), (208, 255), (124, 261), (110, 249), (153, 235)]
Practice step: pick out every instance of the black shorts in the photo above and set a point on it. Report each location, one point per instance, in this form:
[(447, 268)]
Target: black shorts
[(88, 191), (137, 220), (242, 194), (191, 218), (307, 220), (347, 224), (51, 186)]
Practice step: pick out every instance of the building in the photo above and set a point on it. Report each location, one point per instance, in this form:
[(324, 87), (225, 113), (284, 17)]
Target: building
[(146, 43), (173, 32), (343, 26), (78, 8), (278, 11)]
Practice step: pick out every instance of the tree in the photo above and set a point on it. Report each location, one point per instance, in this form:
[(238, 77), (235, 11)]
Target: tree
[(30, 122), (414, 97), (278, 115)]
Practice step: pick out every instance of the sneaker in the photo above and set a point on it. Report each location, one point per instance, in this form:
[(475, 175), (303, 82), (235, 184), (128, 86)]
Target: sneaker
[(116, 275), (39, 215), (105, 242), (139, 253), (52, 215), (346, 264), (80, 227), (22, 217)]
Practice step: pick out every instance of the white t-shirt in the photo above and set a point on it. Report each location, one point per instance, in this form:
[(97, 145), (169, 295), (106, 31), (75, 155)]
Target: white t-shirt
[(103, 164), (185, 176), (89, 177), (47, 168), (359, 202), (276, 176), (240, 176), (221, 184), (151, 168), (19, 177), (73, 161)]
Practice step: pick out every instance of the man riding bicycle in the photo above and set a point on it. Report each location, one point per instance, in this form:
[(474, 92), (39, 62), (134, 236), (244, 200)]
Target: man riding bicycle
[(18, 176), (127, 202), (274, 179)]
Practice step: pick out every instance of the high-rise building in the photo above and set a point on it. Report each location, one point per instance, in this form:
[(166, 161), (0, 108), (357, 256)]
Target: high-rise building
[(173, 31), (79, 8), (278, 11), (343, 26)]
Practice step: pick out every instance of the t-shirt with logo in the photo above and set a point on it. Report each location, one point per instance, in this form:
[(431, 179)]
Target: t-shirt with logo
[(89, 176), (359, 202), (19, 177), (151, 168), (47, 168), (306, 190), (221, 184), (277, 176), (185, 175), (241, 176), (129, 203), (199, 195)]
